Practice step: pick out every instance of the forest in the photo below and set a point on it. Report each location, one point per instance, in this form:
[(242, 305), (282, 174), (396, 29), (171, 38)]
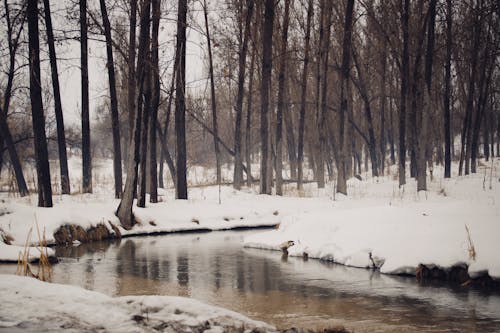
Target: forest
[(292, 92)]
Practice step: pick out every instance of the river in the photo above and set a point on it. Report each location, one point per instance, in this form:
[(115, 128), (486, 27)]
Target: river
[(215, 268)]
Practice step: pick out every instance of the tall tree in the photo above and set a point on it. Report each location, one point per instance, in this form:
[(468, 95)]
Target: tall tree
[(131, 84), (115, 123), (146, 100), (326, 8), (344, 81), (124, 210), (213, 100), (267, 64), (61, 138), (155, 103), (405, 13), (281, 99), (303, 97), (426, 110), (447, 91), (38, 119), (238, 170), (248, 130), (5, 134), (86, 154), (180, 101)]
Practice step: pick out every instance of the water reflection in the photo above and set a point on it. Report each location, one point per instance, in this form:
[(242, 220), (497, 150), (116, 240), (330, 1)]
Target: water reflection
[(215, 268)]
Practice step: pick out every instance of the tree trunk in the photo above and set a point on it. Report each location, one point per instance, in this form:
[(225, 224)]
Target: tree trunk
[(115, 122), (180, 103), (404, 93), (346, 57), (426, 110), (38, 119), (14, 158), (155, 103), (469, 107), (131, 84), (281, 97), (447, 91), (238, 172), (61, 139), (142, 177), (86, 154), (213, 99), (124, 211), (383, 99), (303, 96), (267, 64), (248, 132)]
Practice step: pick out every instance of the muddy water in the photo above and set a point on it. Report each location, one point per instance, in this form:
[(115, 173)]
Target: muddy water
[(215, 268)]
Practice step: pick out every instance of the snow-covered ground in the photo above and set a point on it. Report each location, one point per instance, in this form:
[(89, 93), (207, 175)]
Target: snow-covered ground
[(376, 224), (62, 308), (396, 230)]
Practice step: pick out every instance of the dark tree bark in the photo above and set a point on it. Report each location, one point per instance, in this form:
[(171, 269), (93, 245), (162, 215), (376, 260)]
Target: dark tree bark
[(363, 89), (267, 64), (383, 99), (469, 107), (124, 211), (405, 7), (238, 172), (142, 177), (180, 103), (131, 75), (346, 57), (303, 97), (248, 132), (38, 119), (115, 123), (213, 99), (155, 103), (426, 110), (61, 139), (86, 154), (14, 158), (281, 100), (5, 135), (447, 91)]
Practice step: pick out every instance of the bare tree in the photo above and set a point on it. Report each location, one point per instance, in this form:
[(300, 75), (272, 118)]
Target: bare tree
[(38, 119), (267, 64), (124, 210), (344, 81), (212, 96), (115, 124), (61, 139), (303, 96), (155, 103), (86, 155), (180, 101)]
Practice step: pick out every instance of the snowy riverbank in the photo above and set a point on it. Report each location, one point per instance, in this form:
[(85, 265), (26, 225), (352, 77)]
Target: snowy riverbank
[(377, 224), (29, 305)]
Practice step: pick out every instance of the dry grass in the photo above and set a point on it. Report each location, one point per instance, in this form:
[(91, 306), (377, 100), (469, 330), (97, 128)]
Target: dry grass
[(472, 250), (24, 267)]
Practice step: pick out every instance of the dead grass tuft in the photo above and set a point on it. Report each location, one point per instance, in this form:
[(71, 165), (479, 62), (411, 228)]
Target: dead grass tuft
[(44, 269)]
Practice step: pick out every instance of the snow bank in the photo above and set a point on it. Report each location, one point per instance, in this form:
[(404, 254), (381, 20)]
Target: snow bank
[(32, 305), (11, 253)]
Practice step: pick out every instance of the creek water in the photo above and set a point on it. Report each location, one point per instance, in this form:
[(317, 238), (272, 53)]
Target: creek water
[(286, 292)]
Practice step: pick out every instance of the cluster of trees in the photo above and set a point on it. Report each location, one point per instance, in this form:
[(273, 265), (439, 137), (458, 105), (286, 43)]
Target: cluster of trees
[(332, 83)]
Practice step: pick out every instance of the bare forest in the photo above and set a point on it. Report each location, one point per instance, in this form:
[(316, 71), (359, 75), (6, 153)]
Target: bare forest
[(290, 91)]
